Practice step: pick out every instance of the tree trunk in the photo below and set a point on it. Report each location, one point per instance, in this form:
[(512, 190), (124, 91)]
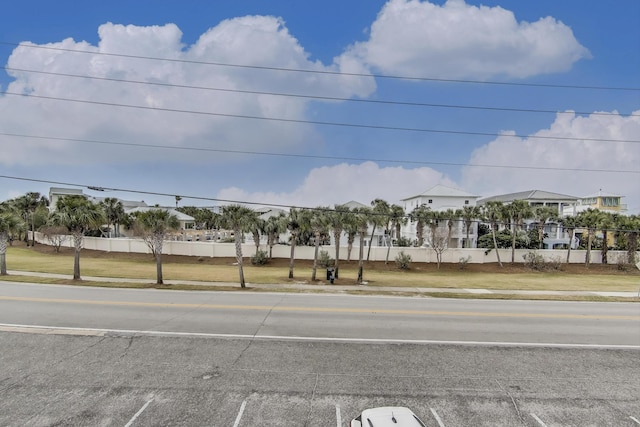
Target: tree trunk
[(570, 244), (633, 247), (315, 257), (77, 243), (587, 260), (159, 280), (513, 243), (238, 240), (293, 250), (495, 244), (468, 243), (361, 259), (336, 262), (370, 242), (4, 237), (605, 249)]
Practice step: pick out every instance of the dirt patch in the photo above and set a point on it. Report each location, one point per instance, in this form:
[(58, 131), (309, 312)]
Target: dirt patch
[(508, 268)]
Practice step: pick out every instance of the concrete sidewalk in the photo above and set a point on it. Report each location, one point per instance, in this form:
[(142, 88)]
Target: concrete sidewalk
[(324, 287)]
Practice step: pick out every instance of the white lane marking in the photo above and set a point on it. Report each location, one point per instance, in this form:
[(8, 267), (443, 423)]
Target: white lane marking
[(239, 417), (9, 327), (130, 423), (338, 416), (437, 417), (635, 419), (535, 417)]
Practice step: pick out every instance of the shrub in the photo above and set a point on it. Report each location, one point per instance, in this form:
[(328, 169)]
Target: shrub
[(324, 260), (403, 242), (462, 262), (260, 258), (534, 261), (403, 261)]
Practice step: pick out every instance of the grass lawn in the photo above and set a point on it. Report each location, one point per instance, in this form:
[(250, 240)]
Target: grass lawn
[(43, 259)]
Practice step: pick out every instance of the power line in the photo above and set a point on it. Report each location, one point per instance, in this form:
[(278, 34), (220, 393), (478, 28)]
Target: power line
[(309, 156), (337, 73), (318, 97), (322, 123)]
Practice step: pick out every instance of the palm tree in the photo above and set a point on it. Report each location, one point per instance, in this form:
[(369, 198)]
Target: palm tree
[(361, 219), (469, 215), (154, 225), (605, 223), (9, 222), (420, 215), (319, 224), (492, 212), (379, 217), (297, 223), (516, 211), (78, 215), (337, 220), (27, 205), (114, 213), (257, 227), (569, 224), (398, 218), (274, 226), (542, 215), (351, 228), (589, 219), (631, 225), (237, 218)]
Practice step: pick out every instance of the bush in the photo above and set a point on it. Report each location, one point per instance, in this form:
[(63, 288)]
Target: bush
[(462, 262), (324, 260), (404, 242), (534, 261), (403, 261), (260, 258)]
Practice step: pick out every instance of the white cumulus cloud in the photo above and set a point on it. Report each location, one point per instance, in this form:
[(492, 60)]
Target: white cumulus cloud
[(342, 183), (567, 144), (457, 40), (181, 82)]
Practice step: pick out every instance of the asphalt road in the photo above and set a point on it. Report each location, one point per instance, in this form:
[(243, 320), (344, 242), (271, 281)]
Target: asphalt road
[(229, 359)]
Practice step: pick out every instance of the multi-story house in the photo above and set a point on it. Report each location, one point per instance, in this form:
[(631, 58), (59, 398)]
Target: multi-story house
[(440, 199), (609, 202), (560, 202)]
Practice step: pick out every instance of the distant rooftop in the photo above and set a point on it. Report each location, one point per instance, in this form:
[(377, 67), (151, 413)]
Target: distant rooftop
[(530, 195), (443, 191)]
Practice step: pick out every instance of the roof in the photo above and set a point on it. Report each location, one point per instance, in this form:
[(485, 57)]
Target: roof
[(353, 204), (601, 194), (530, 195), (65, 191), (443, 191), (181, 216)]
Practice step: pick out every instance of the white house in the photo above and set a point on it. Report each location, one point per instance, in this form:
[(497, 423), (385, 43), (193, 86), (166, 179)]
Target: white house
[(439, 199)]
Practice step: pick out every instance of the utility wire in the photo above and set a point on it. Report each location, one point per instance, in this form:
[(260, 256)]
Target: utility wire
[(318, 97), (369, 212), (337, 73), (310, 156), (323, 123)]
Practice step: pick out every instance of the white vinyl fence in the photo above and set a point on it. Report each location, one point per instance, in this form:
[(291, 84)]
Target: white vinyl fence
[(222, 250)]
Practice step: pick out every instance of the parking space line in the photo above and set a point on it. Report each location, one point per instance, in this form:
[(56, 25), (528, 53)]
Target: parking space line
[(535, 417), (437, 417), (131, 421), (635, 419), (338, 416), (239, 417)]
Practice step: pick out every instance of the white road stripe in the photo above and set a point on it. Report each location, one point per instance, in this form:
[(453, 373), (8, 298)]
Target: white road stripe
[(437, 417), (635, 419), (130, 423), (8, 327), (239, 417), (535, 417), (338, 416)]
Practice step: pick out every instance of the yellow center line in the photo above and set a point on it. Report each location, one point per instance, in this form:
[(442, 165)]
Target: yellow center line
[(324, 309)]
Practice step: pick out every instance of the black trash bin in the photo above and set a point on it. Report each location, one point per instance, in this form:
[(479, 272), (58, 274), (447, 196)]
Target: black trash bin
[(330, 276)]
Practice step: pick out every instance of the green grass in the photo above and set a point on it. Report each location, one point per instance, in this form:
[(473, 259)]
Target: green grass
[(184, 269)]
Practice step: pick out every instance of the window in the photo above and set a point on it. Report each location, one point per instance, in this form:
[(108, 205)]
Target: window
[(430, 200), (466, 202)]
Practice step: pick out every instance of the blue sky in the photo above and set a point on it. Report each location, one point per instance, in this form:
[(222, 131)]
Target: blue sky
[(554, 121)]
